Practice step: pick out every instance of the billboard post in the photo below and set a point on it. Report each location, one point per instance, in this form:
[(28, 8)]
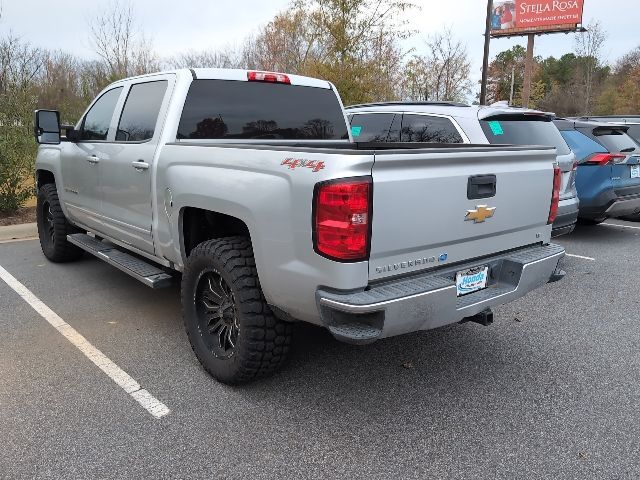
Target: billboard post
[(528, 70), (485, 58)]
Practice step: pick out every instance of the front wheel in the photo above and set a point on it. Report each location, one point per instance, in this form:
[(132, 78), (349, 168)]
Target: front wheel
[(232, 330), (53, 227)]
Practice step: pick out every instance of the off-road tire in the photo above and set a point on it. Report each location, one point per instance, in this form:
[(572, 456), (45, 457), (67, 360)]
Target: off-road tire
[(53, 227), (263, 341)]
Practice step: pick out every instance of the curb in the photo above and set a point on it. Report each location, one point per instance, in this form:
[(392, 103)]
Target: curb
[(24, 231)]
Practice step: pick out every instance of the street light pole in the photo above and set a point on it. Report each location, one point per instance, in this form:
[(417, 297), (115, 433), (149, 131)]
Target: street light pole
[(485, 59)]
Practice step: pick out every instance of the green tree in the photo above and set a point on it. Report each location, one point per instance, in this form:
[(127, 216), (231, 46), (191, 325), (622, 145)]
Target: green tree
[(20, 65)]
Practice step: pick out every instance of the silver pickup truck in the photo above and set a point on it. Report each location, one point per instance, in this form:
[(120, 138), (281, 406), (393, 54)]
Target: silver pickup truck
[(249, 186)]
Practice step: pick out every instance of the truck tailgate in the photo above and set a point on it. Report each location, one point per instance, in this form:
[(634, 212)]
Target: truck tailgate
[(421, 201)]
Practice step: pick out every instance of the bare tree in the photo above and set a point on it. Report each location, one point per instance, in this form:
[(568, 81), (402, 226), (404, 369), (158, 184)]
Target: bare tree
[(225, 58), (119, 43), (442, 73), (588, 45)]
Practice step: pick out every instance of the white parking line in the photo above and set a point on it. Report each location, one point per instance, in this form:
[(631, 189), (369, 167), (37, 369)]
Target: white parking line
[(623, 226), (113, 371), (580, 256)]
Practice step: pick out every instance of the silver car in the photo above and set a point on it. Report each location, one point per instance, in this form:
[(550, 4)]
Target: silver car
[(450, 122)]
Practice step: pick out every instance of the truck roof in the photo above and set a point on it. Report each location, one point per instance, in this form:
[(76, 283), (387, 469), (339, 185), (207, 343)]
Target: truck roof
[(232, 74)]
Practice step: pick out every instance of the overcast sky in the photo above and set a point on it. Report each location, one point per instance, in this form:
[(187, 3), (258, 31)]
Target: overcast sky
[(197, 24)]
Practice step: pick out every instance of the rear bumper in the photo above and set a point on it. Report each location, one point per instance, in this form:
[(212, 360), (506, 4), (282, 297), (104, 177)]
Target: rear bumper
[(567, 217), (610, 204), (628, 205), (429, 300)]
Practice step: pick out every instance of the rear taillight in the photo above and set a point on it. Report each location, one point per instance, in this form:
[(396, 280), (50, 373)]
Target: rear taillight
[(555, 196), (605, 159), (342, 219), (271, 77), (575, 166)]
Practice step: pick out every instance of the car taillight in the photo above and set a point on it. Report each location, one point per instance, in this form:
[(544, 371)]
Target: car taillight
[(271, 77), (555, 196), (605, 159), (342, 219)]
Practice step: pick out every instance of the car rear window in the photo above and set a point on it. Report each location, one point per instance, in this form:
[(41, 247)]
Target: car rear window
[(615, 140), (519, 130), (226, 109), (634, 132)]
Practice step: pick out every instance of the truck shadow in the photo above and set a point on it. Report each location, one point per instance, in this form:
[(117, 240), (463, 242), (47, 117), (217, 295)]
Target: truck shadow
[(399, 376)]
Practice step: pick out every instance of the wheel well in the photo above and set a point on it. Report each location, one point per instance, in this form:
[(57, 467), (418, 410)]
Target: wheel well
[(44, 177), (199, 225)]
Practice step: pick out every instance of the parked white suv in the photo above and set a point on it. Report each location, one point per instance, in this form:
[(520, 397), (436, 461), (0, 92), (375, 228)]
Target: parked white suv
[(451, 122)]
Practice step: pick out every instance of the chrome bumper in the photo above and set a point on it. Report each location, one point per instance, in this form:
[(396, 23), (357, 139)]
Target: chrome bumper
[(426, 301)]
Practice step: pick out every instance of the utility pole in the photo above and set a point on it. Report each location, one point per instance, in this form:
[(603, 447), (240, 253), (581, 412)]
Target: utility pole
[(485, 58), (528, 71), (513, 84)]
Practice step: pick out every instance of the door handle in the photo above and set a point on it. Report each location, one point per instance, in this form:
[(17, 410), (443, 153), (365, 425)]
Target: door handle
[(93, 159), (140, 165), (481, 186)]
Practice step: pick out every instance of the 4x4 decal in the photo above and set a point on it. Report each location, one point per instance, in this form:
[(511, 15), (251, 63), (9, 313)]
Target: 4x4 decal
[(294, 163)]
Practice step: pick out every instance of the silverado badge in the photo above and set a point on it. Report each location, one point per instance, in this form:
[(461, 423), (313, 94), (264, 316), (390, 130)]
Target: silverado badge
[(480, 214)]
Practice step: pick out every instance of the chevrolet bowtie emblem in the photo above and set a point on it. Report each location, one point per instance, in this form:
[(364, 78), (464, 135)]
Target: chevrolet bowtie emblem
[(480, 214)]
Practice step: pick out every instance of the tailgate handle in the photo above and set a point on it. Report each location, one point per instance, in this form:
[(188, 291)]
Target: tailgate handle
[(481, 186)]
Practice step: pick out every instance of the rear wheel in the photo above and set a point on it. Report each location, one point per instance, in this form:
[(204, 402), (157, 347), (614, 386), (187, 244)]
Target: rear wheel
[(632, 218), (231, 328), (590, 221), (53, 227)]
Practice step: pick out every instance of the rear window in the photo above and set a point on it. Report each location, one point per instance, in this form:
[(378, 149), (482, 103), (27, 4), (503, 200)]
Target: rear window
[(524, 131), (615, 140), (224, 109), (634, 132)]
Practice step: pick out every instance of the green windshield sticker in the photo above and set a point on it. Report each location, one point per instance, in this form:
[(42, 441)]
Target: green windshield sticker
[(496, 128), (355, 131)]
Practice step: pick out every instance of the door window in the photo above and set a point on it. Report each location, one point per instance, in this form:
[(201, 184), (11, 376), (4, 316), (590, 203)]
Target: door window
[(140, 112), (96, 123), (371, 127), (429, 129)]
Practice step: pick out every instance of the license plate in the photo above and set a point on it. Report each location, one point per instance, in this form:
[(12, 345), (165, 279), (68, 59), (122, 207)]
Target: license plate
[(635, 171), (471, 280)]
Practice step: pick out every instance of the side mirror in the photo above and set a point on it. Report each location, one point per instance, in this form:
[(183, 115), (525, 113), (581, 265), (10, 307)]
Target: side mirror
[(71, 134), (47, 127)]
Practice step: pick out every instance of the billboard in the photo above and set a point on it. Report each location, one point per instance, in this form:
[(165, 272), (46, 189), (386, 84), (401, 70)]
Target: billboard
[(521, 17)]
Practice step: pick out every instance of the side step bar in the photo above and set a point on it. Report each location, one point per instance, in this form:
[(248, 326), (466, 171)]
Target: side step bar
[(139, 269)]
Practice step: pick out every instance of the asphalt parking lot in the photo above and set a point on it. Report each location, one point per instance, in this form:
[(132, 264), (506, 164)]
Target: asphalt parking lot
[(550, 390)]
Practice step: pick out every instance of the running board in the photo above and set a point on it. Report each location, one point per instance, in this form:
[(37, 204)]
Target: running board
[(139, 269)]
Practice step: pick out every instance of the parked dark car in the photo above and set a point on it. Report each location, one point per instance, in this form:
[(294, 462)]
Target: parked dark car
[(608, 177), (632, 121)]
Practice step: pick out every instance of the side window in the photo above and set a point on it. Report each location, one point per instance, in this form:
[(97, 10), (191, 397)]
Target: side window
[(95, 125), (140, 112), (581, 145), (371, 127), (429, 129)]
